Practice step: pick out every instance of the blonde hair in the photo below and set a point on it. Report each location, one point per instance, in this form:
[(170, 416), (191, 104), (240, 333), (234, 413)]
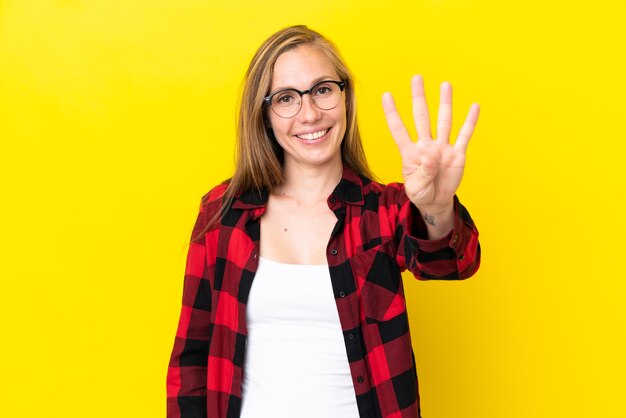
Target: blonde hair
[(259, 158)]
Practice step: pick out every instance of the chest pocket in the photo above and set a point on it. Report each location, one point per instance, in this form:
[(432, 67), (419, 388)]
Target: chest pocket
[(379, 282)]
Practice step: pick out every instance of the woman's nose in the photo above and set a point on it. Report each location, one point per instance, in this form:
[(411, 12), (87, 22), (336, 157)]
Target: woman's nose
[(308, 110)]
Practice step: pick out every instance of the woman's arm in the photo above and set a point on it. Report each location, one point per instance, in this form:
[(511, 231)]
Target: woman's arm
[(187, 372), (432, 167), (440, 240), (453, 256)]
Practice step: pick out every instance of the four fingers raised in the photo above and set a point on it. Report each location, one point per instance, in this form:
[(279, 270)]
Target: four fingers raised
[(422, 119)]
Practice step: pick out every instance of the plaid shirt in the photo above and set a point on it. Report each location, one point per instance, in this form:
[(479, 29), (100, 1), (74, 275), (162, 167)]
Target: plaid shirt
[(379, 233)]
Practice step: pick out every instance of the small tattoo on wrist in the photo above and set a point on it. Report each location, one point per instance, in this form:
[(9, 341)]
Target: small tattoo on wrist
[(429, 218)]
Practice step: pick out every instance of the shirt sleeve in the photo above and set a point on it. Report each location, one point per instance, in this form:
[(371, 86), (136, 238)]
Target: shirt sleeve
[(453, 257), (187, 372)]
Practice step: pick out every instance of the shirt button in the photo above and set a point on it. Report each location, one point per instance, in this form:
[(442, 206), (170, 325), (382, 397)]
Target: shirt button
[(254, 256), (333, 199), (351, 336), (333, 251), (461, 257), (360, 379), (456, 237), (342, 294)]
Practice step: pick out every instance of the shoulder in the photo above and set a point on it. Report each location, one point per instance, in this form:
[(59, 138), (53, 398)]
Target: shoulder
[(212, 200), (210, 208)]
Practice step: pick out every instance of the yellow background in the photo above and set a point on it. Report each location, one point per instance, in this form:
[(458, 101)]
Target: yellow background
[(116, 116)]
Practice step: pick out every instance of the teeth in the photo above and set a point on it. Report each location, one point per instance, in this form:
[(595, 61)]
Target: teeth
[(313, 135)]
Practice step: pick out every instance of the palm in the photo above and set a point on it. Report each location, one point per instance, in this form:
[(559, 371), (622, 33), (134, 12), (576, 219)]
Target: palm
[(432, 167), (432, 172)]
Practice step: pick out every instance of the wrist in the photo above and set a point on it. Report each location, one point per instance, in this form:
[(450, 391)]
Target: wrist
[(437, 210), (439, 220)]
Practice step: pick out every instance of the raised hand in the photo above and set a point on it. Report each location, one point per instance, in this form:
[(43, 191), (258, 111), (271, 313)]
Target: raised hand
[(432, 167)]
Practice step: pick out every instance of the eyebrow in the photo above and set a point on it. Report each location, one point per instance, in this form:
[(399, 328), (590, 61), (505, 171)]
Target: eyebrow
[(317, 80)]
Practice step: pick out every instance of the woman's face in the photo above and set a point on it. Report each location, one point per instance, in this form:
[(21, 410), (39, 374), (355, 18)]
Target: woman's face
[(311, 138)]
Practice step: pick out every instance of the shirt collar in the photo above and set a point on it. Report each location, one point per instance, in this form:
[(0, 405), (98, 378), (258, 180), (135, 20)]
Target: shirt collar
[(349, 190)]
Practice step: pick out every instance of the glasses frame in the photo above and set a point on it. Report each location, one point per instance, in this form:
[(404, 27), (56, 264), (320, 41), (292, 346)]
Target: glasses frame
[(267, 100)]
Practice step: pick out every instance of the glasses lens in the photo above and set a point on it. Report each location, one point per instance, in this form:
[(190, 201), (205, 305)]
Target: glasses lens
[(326, 95), (286, 103)]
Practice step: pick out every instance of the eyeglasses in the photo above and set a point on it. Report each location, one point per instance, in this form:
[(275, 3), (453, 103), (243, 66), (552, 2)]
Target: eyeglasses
[(325, 95)]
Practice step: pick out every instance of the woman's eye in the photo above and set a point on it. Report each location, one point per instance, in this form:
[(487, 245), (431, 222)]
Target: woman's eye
[(285, 99), (322, 90)]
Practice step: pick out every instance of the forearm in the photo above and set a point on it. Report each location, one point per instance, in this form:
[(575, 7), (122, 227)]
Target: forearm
[(448, 249)]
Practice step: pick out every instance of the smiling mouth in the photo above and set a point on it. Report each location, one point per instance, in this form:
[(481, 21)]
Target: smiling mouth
[(313, 135)]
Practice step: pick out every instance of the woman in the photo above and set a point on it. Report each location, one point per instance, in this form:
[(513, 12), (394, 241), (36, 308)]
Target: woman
[(293, 303)]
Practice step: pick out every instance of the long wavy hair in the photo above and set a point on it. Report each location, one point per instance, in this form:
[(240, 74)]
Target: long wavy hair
[(259, 157)]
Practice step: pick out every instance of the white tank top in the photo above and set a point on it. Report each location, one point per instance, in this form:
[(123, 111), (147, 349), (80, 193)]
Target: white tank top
[(296, 363)]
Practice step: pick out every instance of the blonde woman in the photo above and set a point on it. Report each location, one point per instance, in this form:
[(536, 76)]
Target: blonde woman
[(293, 304)]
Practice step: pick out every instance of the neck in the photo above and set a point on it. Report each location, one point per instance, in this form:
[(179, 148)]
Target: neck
[(309, 184)]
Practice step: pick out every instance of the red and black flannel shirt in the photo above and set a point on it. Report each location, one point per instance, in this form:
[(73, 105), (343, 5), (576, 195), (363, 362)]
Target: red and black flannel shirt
[(379, 233)]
